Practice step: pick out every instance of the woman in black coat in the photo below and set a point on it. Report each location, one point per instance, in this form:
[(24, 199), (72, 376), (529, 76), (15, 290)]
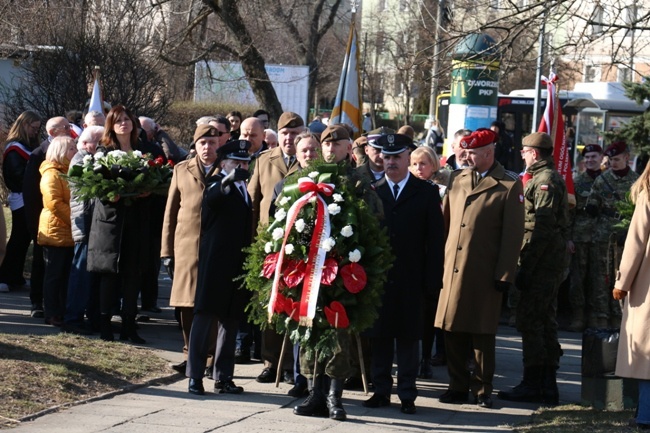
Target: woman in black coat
[(226, 219), (118, 242)]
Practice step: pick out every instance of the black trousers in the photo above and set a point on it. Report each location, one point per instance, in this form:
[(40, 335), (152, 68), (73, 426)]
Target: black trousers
[(11, 270), (57, 270), (408, 361), (224, 357)]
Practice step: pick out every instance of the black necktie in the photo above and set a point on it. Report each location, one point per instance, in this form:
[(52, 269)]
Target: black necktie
[(395, 191), (243, 193)]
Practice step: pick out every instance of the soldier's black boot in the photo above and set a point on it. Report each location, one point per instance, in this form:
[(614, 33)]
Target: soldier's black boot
[(530, 388), (334, 403), (129, 331), (550, 392), (315, 404), (105, 327)]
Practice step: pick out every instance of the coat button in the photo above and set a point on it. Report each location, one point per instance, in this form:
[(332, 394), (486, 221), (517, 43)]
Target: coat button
[(459, 248), (462, 224), (455, 271)]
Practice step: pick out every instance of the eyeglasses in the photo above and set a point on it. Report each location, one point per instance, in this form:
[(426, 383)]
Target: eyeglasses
[(525, 151)]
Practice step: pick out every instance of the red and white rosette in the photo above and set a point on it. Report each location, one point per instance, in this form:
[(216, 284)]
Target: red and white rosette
[(316, 255)]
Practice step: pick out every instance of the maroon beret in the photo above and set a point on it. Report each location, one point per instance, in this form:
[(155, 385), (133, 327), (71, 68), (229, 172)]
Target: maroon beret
[(479, 138), (616, 148), (591, 148)]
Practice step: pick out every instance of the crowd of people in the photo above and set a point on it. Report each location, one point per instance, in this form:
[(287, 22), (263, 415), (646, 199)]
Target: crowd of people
[(465, 232)]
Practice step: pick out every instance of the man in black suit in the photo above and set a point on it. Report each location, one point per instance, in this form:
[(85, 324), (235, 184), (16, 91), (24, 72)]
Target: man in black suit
[(414, 222)]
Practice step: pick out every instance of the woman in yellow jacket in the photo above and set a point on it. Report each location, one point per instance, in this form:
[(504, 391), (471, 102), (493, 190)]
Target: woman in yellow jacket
[(54, 227)]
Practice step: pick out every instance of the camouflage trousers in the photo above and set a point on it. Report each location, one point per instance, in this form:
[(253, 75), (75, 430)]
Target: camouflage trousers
[(610, 256), (337, 366), (587, 291), (537, 315)]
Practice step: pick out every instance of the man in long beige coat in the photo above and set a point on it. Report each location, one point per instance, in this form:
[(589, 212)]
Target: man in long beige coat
[(271, 167), (182, 228), (484, 214)]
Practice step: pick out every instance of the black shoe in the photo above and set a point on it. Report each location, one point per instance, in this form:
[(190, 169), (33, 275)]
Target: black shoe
[(208, 373), (408, 407), (483, 400), (314, 405), (266, 376), (376, 401), (180, 367), (298, 390), (453, 397), (227, 387), (152, 309), (287, 377), (353, 383), (425, 370), (438, 361), (37, 311), (196, 387), (242, 357)]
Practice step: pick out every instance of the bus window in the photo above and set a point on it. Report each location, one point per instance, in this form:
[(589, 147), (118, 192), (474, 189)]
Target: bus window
[(590, 128)]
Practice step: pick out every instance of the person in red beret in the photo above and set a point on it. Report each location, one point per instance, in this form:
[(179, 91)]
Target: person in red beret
[(484, 211), (609, 189), (585, 258)]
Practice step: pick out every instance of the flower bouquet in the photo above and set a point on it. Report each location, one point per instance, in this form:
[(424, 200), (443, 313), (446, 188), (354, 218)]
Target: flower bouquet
[(118, 174), (321, 265)]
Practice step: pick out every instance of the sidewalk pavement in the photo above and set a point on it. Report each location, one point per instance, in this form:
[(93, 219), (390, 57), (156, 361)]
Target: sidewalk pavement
[(263, 407)]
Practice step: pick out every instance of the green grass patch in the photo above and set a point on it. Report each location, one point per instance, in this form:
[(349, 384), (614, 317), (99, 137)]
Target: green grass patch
[(576, 419), (39, 372)]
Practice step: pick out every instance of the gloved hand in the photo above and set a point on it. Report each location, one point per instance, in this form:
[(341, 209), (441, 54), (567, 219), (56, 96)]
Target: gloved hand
[(619, 294), (592, 210), (232, 177), (168, 263), (521, 281), (502, 286)]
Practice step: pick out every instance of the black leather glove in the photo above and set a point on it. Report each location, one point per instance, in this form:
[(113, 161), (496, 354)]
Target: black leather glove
[(241, 174), (521, 281), (592, 210), (502, 286), (168, 263)]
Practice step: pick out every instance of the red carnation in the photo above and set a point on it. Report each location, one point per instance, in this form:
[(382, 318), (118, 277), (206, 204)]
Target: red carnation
[(268, 268), (280, 304), (336, 315), (150, 163), (330, 269), (354, 277)]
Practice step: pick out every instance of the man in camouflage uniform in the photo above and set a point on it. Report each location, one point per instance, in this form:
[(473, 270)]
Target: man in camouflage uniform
[(541, 266), (608, 189), (585, 259)]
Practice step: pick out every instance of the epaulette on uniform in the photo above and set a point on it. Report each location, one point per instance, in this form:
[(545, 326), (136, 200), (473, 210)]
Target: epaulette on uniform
[(511, 174)]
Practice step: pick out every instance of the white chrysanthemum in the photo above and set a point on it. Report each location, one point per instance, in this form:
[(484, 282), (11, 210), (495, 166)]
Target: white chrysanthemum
[(328, 244), (300, 225), (347, 231), (117, 153), (334, 209), (137, 153), (337, 198), (87, 159), (288, 249), (313, 174), (312, 200), (99, 155), (354, 256), (280, 214), (278, 233), (268, 247), (284, 200)]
